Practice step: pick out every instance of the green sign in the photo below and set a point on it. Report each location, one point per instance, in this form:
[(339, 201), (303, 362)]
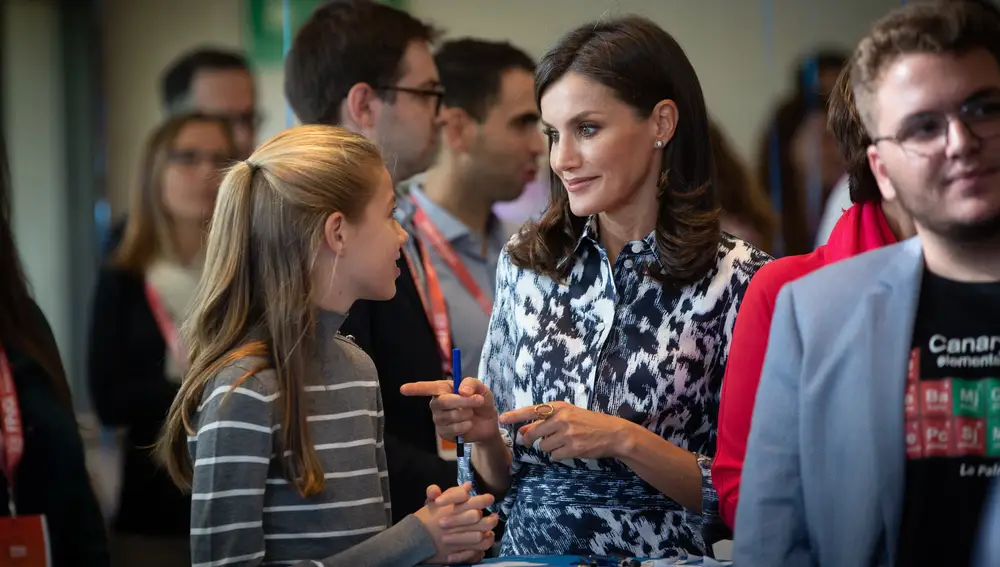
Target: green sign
[(266, 28)]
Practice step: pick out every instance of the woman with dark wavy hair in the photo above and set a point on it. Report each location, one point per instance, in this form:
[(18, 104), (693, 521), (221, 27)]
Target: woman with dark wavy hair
[(613, 315)]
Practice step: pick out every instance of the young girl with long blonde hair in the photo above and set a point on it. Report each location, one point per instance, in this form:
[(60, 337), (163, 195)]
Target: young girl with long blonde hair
[(277, 428)]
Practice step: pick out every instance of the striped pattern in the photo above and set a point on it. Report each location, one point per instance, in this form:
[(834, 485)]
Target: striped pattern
[(245, 512)]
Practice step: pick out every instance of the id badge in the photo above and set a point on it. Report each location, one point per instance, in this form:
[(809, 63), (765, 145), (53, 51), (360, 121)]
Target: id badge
[(447, 450), (24, 542)]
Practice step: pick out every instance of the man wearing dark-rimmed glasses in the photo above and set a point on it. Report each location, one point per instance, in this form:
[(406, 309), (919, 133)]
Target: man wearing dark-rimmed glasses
[(876, 431), (216, 83), (368, 67)]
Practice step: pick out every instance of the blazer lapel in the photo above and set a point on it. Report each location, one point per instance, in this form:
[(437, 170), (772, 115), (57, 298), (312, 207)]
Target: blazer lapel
[(893, 307)]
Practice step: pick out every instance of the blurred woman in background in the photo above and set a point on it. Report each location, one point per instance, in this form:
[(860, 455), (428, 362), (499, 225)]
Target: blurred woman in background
[(49, 475), (746, 210), (797, 158), (799, 162), (136, 363)]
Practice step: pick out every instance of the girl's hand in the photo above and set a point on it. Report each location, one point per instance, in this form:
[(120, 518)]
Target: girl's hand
[(455, 521)]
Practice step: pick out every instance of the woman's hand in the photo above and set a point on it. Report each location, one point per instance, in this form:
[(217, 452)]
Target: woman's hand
[(471, 413), (455, 521), (570, 432)]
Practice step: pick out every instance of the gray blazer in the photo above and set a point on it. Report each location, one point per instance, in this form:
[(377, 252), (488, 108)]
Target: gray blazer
[(824, 473)]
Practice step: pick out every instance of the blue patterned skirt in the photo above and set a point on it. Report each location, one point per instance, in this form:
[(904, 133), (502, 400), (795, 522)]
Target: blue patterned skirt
[(558, 510)]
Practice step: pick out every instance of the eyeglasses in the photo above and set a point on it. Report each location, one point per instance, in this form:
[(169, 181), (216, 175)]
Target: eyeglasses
[(251, 119), (191, 158), (438, 93), (926, 134)]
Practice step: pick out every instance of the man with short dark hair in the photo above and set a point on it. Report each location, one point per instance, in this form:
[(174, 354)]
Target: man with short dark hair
[(368, 67), (489, 151), (876, 431), (217, 83)]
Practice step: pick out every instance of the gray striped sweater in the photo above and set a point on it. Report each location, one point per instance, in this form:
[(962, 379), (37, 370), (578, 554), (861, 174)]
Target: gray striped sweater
[(245, 513)]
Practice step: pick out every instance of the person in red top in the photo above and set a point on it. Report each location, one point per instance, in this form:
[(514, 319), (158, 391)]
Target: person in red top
[(869, 224)]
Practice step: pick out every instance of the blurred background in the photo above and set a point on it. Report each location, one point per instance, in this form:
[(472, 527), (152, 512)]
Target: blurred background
[(80, 91)]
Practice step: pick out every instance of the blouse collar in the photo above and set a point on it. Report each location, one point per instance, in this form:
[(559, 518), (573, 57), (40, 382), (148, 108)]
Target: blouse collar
[(590, 236)]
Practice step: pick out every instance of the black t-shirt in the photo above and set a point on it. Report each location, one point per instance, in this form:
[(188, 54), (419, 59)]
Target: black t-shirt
[(952, 420)]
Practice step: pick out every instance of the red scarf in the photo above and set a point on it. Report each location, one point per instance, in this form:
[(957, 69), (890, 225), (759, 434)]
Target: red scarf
[(860, 229)]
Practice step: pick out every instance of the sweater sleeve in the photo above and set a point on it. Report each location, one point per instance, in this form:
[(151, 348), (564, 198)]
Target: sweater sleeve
[(407, 543), (383, 467), (232, 451), (739, 387)]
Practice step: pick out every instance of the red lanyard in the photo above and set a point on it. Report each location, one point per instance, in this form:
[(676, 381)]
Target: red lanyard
[(430, 232), (433, 301), (434, 306), (164, 322), (12, 440)]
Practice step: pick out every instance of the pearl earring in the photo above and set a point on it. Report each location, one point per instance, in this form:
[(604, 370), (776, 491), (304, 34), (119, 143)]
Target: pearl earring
[(659, 143)]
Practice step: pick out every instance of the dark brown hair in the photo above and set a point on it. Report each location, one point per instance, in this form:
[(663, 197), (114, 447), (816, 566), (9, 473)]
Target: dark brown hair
[(852, 140), (22, 325), (777, 168), (811, 66), (177, 81), (472, 72), (738, 191), (643, 65), (147, 230), (943, 26), (343, 43)]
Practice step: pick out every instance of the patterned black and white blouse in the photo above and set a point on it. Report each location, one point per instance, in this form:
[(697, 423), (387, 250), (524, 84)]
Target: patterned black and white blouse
[(613, 341)]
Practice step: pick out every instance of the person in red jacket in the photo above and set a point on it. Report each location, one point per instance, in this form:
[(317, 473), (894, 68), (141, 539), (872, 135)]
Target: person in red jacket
[(869, 224)]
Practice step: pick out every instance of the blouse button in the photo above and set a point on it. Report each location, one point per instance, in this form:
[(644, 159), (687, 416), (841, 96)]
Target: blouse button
[(629, 264), (636, 247)]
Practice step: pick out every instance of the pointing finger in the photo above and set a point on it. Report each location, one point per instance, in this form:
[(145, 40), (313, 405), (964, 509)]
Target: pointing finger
[(432, 388)]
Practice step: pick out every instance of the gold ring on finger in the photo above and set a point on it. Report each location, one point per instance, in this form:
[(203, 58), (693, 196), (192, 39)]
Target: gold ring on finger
[(544, 411)]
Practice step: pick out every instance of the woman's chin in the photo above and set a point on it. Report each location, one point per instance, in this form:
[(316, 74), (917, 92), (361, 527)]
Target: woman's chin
[(583, 207)]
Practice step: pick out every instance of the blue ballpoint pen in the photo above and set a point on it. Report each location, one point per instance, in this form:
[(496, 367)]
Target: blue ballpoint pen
[(456, 373)]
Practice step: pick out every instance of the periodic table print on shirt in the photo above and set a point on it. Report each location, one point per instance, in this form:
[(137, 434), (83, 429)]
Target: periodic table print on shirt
[(952, 411), (952, 417)]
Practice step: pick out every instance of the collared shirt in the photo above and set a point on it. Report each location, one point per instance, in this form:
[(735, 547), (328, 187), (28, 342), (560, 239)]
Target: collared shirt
[(611, 340), (468, 320)]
